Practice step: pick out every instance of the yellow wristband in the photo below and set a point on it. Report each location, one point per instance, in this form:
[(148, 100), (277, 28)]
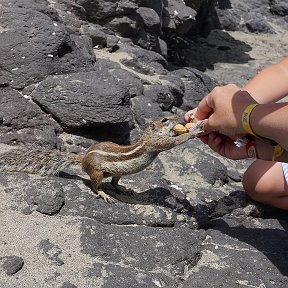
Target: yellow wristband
[(277, 152), (246, 119)]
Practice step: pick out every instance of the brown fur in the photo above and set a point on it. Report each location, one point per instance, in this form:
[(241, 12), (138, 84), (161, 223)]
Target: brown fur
[(102, 159)]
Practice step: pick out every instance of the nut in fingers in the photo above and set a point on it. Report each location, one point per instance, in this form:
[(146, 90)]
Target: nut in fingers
[(191, 117), (189, 125), (180, 129)]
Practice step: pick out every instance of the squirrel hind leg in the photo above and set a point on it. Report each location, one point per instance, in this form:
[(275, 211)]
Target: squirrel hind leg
[(96, 179)]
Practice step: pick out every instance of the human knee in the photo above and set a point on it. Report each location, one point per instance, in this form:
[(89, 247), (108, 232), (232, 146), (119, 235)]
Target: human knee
[(253, 187), (248, 183)]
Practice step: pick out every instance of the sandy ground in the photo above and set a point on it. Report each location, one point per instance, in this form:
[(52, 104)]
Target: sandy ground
[(266, 49)]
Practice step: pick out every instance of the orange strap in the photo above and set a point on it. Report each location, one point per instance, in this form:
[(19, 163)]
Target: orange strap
[(251, 150)]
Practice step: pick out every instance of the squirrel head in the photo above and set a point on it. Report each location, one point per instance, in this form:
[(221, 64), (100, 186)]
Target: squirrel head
[(162, 126)]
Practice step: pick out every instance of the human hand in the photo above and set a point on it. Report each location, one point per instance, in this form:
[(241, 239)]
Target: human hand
[(224, 146), (222, 109), (221, 144)]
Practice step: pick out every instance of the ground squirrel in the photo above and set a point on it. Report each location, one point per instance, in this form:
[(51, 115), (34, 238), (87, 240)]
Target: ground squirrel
[(104, 159)]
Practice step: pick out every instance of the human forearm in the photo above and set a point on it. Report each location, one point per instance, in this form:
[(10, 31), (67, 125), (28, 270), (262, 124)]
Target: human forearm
[(270, 121), (271, 84)]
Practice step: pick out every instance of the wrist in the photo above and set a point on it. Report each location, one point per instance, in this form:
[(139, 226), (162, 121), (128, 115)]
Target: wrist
[(249, 124), (268, 121), (246, 119)]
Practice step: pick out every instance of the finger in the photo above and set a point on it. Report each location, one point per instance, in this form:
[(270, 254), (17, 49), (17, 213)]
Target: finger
[(204, 139), (215, 142), (211, 139), (208, 127), (205, 108), (188, 114)]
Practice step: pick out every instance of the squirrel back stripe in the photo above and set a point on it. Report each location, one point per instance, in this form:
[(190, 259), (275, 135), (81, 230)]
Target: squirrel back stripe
[(36, 161)]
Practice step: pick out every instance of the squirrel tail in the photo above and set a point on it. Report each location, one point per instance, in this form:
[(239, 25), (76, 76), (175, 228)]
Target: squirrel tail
[(37, 161)]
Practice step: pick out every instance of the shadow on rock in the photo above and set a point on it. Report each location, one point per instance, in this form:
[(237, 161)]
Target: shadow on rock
[(159, 196), (271, 242), (175, 201), (218, 47), (274, 213)]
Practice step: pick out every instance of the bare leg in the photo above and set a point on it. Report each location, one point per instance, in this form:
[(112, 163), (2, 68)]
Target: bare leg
[(96, 178), (264, 181), (114, 183)]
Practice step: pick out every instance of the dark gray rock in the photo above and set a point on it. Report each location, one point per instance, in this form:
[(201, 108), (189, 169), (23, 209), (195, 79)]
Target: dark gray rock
[(160, 94), (138, 66), (150, 60), (97, 10), (38, 5), (125, 79), (176, 87), (112, 43), (150, 20), (196, 84), (257, 16), (151, 28), (24, 122), (229, 21), (155, 207), (85, 99), (122, 276), (259, 263), (145, 108), (257, 24), (232, 203), (279, 7), (11, 264), (46, 195), (234, 174), (96, 33), (163, 48), (177, 16), (148, 249), (49, 205), (156, 5), (26, 57), (69, 11), (68, 285), (112, 65), (125, 26), (217, 172), (51, 251)]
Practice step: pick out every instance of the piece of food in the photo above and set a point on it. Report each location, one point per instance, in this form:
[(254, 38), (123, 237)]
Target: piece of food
[(192, 118), (180, 129), (188, 126)]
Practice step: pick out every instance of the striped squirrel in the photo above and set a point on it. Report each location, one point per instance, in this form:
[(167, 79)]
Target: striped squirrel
[(104, 159)]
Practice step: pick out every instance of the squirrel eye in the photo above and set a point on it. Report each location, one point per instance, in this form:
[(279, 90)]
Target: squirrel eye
[(164, 120)]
